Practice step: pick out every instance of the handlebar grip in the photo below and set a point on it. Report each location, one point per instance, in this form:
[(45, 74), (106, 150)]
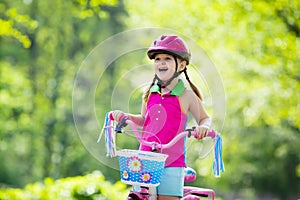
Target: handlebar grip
[(122, 122), (111, 117), (192, 131), (211, 134)]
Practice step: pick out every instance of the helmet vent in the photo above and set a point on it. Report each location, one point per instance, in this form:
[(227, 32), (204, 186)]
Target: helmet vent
[(163, 37)]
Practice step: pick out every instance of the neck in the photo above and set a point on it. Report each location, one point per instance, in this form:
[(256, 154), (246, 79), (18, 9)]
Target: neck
[(165, 90)]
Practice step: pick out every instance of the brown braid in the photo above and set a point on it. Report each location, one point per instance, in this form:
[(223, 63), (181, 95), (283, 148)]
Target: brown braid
[(194, 88), (147, 92)]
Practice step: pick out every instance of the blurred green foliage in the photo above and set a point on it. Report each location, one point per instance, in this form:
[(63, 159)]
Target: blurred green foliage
[(89, 187), (254, 44), (37, 127)]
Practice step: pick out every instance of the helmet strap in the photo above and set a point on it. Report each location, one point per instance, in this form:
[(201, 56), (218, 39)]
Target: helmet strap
[(164, 84)]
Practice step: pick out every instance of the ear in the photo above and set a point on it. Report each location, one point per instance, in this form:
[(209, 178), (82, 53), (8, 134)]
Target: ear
[(181, 65)]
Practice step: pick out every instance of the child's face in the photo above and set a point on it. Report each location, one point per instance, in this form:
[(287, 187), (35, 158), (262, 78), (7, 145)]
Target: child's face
[(164, 66)]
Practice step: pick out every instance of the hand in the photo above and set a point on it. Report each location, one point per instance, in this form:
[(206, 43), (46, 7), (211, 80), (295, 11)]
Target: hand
[(202, 131), (117, 115)]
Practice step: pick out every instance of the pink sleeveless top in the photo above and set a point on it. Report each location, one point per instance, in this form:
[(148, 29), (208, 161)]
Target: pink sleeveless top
[(164, 119)]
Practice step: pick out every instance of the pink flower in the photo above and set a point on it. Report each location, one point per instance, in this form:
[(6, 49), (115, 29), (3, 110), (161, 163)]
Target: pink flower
[(146, 177), (134, 164)]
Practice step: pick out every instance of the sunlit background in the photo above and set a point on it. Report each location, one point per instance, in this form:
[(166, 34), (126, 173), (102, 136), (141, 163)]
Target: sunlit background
[(252, 45)]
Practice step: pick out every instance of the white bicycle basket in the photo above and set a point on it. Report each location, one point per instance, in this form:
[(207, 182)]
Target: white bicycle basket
[(141, 168)]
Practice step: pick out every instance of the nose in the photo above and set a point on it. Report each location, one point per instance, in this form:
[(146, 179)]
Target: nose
[(160, 63), (163, 61)]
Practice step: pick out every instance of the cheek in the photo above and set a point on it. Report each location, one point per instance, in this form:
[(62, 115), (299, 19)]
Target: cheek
[(155, 66), (172, 68)]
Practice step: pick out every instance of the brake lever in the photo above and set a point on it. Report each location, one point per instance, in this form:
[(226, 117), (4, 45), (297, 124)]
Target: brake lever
[(121, 125), (190, 130)]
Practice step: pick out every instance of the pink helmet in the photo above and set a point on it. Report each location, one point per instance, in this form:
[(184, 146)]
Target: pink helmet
[(170, 44)]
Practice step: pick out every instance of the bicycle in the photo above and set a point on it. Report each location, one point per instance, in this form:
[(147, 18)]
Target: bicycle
[(143, 168)]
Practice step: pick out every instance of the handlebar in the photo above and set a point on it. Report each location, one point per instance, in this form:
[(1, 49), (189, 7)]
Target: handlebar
[(218, 165), (124, 121)]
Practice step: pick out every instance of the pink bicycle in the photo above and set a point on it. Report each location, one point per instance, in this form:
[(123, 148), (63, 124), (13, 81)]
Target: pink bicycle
[(143, 168)]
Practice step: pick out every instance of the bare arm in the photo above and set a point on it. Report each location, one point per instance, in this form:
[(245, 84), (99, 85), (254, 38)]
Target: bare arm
[(138, 119), (198, 111)]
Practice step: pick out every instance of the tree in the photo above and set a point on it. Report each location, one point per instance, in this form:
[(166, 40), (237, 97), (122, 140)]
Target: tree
[(42, 75)]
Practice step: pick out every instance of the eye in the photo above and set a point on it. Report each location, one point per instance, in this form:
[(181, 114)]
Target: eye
[(157, 59)]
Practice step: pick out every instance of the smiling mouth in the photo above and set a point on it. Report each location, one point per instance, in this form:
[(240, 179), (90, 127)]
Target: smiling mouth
[(163, 69)]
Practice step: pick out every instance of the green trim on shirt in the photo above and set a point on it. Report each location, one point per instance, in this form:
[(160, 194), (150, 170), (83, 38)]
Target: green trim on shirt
[(177, 90)]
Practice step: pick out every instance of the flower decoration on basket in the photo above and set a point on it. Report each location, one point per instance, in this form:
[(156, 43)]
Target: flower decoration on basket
[(125, 175), (134, 164), (146, 177)]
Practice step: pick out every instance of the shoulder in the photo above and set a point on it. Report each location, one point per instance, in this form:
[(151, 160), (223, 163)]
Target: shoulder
[(189, 94), (189, 99)]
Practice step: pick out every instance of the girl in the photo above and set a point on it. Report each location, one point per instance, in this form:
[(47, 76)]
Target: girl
[(165, 107)]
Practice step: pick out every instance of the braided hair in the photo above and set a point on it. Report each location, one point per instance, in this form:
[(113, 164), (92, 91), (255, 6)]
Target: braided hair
[(193, 86)]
